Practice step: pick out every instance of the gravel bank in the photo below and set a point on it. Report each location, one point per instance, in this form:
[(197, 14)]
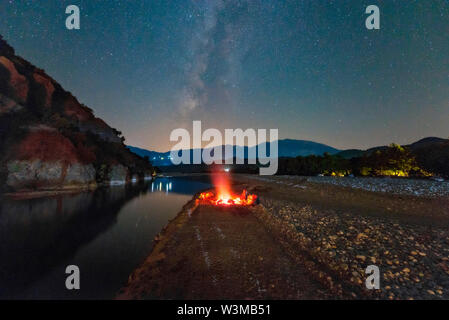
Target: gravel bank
[(413, 259), (413, 187), (426, 188)]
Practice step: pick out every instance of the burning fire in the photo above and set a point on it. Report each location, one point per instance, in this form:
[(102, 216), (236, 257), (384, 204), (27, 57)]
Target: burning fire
[(224, 196), (244, 199)]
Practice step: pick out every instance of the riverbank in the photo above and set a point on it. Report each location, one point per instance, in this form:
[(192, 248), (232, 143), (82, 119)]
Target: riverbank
[(209, 252), (68, 189), (33, 194), (328, 234)]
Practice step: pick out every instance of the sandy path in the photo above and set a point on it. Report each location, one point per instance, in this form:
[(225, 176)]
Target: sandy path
[(217, 253)]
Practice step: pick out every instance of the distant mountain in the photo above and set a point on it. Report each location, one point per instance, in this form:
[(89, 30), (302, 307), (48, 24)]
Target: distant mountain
[(292, 148), (423, 143), (147, 153), (49, 140), (156, 158), (427, 142), (286, 148)]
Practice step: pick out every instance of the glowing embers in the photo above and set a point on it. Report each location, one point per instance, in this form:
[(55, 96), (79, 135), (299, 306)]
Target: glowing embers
[(227, 199)]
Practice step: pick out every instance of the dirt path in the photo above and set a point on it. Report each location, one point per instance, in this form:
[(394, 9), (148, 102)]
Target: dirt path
[(219, 253)]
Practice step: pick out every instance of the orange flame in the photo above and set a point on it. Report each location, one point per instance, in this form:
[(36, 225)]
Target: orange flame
[(244, 199), (224, 195), (221, 183)]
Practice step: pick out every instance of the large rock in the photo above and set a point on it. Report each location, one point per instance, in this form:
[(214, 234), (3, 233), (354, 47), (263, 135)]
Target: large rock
[(31, 174)]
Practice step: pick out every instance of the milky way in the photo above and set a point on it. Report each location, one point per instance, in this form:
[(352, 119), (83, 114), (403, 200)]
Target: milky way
[(213, 65)]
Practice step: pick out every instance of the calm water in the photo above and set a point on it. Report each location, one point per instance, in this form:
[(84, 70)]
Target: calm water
[(106, 233)]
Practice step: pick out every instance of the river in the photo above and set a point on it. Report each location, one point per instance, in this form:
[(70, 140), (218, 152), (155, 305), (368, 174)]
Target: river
[(107, 233)]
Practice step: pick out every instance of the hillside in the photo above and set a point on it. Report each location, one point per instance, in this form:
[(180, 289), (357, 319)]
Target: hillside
[(156, 158), (418, 147), (433, 155), (294, 148), (427, 142), (48, 140)]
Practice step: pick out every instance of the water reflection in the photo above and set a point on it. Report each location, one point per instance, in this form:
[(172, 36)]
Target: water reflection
[(107, 233), (161, 186), (177, 185)]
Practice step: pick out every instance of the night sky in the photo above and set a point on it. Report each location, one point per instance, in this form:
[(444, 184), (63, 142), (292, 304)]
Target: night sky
[(309, 68)]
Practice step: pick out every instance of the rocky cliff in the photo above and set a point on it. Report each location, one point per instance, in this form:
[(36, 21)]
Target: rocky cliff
[(48, 140)]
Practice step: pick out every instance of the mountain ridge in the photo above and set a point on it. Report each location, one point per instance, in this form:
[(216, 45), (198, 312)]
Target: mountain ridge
[(285, 146), (289, 150)]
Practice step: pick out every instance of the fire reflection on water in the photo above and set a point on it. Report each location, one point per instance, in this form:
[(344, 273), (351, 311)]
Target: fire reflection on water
[(159, 186)]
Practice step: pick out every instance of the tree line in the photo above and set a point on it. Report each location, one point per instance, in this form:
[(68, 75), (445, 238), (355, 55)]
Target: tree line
[(394, 160)]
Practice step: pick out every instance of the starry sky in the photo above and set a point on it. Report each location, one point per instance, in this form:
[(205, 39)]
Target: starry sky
[(309, 68)]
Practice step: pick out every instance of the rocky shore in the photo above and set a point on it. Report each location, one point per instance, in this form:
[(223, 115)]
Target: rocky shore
[(412, 254), (413, 260), (413, 187)]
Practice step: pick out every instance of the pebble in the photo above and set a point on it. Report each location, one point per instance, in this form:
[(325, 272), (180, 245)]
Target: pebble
[(410, 268)]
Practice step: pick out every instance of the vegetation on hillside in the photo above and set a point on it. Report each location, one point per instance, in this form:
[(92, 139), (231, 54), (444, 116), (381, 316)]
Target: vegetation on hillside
[(395, 160), (434, 158)]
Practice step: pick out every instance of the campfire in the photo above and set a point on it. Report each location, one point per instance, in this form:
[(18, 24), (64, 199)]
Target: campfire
[(223, 196), (244, 199)]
